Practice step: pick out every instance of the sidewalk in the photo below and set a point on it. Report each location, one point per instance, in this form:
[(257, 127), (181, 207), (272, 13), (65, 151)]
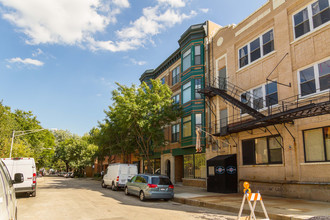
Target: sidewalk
[(277, 207)]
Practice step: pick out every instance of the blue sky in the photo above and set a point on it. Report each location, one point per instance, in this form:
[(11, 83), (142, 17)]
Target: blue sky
[(60, 59)]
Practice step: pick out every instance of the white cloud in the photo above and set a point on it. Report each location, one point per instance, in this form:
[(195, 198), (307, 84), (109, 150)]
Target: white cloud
[(27, 61), (37, 52), (77, 22), (204, 10), (173, 3), (136, 62)]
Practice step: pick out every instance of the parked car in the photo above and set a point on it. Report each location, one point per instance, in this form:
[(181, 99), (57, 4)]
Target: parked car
[(150, 186), (68, 175), (27, 167), (117, 174), (8, 203)]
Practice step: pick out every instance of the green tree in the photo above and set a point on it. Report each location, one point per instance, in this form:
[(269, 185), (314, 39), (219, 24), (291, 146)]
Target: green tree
[(143, 112)]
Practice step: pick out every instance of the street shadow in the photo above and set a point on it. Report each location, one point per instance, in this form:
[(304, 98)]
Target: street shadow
[(61, 183)]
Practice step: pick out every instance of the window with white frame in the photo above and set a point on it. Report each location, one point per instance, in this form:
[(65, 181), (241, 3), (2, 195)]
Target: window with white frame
[(186, 92), (198, 55), (186, 60), (176, 99), (198, 120), (176, 75), (314, 79), (261, 97), (175, 133), (256, 49), (311, 17), (198, 86)]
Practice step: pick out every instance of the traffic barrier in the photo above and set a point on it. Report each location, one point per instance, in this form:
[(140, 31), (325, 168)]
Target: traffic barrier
[(248, 196)]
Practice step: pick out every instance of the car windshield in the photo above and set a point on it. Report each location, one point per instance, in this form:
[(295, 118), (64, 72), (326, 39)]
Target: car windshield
[(161, 181)]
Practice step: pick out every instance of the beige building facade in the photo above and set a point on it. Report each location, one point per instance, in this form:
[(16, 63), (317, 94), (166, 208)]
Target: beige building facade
[(269, 92)]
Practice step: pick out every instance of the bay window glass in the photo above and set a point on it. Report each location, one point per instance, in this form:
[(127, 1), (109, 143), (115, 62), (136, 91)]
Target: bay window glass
[(186, 92), (198, 120), (198, 86), (186, 60), (314, 148), (199, 165), (188, 166), (187, 126), (197, 55)]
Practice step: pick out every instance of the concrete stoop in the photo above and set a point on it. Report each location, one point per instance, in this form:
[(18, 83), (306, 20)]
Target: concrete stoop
[(246, 210)]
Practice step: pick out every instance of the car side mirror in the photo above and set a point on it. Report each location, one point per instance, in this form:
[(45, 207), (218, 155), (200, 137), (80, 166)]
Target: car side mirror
[(18, 178), (129, 180)]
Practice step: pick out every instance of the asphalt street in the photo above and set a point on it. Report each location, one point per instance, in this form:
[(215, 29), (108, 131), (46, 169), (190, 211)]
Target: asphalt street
[(61, 198)]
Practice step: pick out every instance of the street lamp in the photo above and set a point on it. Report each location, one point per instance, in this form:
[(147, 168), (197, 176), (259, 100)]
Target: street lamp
[(21, 133)]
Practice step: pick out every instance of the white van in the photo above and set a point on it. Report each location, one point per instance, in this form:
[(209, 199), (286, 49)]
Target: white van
[(27, 167), (117, 174)]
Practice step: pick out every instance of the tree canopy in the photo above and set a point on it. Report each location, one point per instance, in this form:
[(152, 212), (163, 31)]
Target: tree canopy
[(136, 120)]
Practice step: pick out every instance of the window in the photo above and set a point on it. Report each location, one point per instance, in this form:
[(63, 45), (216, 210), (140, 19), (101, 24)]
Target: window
[(265, 150), (258, 98), (261, 97), (317, 144), (188, 166), (271, 94), (176, 99), (175, 133), (198, 55), (194, 166), (176, 75), (223, 78), (163, 80), (186, 60), (186, 92), (311, 17), (315, 78), (223, 118), (200, 168), (187, 126), (198, 120), (256, 49), (198, 86)]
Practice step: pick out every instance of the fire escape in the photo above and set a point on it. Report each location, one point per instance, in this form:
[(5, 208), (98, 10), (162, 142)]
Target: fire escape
[(256, 112)]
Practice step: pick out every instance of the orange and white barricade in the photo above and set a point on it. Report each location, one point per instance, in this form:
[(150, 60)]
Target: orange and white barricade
[(248, 196)]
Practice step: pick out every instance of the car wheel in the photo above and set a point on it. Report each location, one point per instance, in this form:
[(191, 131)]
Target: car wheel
[(103, 185), (34, 194), (142, 196), (126, 191), (113, 187)]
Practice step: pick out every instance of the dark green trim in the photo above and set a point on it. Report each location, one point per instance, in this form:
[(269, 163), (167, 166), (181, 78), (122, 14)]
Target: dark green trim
[(166, 151)]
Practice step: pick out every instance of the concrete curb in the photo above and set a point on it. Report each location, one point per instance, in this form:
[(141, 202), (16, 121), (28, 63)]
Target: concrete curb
[(193, 202)]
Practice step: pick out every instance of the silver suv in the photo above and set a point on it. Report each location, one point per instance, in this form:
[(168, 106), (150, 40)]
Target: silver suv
[(150, 186), (8, 204)]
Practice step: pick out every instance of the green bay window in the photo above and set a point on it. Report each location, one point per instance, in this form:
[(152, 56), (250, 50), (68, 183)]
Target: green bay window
[(186, 60)]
